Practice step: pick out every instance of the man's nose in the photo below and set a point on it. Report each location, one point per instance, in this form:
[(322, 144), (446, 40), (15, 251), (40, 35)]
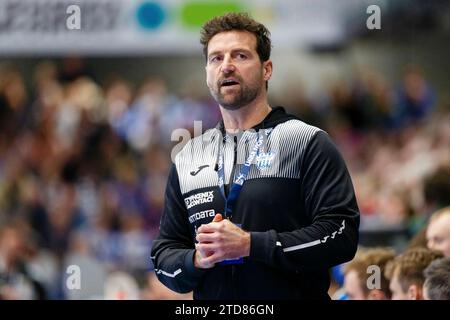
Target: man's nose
[(227, 66)]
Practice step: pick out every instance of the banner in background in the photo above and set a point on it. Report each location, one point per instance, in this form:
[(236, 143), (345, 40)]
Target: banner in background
[(115, 27)]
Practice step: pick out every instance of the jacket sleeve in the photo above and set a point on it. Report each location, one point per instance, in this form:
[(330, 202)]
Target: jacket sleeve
[(173, 250), (330, 203)]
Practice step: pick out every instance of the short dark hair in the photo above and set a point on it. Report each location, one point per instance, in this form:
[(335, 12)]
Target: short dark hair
[(364, 258), (237, 21), (437, 276), (410, 265)]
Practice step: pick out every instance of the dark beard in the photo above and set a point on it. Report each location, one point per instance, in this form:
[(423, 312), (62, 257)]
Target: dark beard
[(245, 96)]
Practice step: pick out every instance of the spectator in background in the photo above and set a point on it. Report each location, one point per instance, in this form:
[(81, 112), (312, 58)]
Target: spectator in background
[(436, 189), (436, 195), (358, 271), (14, 115), (15, 280), (437, 280), (65, 217), (120, 285), (438, 232), (415, 99), (118, 97), (93, 273), (72, 68), (405, 273)]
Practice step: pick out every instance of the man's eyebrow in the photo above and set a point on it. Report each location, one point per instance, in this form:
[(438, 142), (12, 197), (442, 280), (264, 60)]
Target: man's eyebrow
[(214, 53), (247, 51)]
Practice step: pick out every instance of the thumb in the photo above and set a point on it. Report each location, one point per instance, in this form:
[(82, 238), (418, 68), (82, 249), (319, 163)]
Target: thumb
[(218, 217)]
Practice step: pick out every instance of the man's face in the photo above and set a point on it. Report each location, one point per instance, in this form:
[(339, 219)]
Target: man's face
[(352, 286), (396, 288), (438, 234), (234, 73)]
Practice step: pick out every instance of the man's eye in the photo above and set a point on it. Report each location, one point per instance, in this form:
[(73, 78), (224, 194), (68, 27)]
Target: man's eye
[(241, 56), (215, 59)]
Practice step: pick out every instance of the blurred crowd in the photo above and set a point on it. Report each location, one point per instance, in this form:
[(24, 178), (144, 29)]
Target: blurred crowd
[(420, 272), (83, 168)]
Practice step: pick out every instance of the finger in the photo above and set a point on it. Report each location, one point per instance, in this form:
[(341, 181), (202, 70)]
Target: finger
[(199, 261), (218, 217), (206, 249), (206, 237), (213, 259), (207, 228)]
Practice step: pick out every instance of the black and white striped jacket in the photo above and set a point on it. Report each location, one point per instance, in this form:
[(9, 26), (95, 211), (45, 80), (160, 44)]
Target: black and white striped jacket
[(298, 203)]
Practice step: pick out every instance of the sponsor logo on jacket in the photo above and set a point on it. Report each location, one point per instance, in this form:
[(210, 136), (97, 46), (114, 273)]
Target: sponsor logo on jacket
[(199, 198), (201, 215)]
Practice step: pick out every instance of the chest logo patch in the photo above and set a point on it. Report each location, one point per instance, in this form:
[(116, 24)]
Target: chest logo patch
[(264, 160)]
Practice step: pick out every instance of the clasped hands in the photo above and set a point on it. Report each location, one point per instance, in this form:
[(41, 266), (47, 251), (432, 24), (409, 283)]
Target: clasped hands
[(220, 240)]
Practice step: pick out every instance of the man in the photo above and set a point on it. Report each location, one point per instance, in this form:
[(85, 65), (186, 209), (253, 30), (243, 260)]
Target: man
[(364, 275), (437, 280), (262, 206), (438, 231), (405, 273)]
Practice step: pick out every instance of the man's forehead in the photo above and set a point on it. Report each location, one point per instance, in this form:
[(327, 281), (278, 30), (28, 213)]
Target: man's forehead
[(231, 40)]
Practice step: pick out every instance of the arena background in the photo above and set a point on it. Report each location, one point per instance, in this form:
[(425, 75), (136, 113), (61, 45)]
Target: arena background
[(86, 117)]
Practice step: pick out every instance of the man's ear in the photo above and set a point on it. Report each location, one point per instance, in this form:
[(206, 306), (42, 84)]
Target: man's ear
[(414, 292), (267, 69), (376, 294)]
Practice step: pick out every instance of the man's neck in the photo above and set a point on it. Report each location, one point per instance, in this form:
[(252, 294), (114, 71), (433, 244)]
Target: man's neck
[(244, 118)]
